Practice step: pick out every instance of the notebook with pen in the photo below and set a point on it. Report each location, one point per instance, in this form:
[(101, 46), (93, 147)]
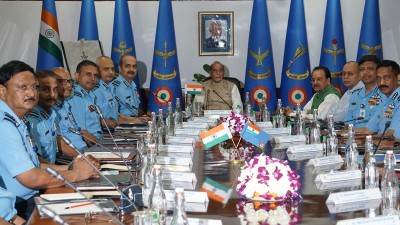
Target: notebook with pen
[(102, 184)]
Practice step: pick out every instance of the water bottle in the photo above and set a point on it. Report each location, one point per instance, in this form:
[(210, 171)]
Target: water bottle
[(332, 140), (281, 119), (170, 121), (352, 151), (148, 171), (369, 165), (315, 131), (265, 115), (289, 128), (324, 146), (179, 217), (247, 106), (390, 186), (157, 198), (178, 115), (189, 108)]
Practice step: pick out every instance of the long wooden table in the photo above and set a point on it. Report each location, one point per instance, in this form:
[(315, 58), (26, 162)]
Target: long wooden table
[(311, 208)]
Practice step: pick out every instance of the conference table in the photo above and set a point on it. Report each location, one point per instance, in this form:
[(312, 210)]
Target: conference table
[(310, 209)]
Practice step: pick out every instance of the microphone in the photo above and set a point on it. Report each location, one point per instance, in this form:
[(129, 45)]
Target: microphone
[(68, 142), (342, 123), (129, 107), (222, 99), (55, 174), (137, 166), (387, 125), (51, 214), (98, 110)]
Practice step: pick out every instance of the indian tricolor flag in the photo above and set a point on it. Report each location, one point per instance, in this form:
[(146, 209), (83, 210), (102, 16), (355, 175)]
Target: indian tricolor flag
[(193, 89), (216, 135), (216, 191), (49, 50), (253, 129)]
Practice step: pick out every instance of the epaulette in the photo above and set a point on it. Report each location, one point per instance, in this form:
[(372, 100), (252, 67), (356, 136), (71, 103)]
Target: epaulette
[(78, 94), (44, 114), (126, 83), (358, 89), (104, 85), (11, 119), (34, 115), (97, 85), (376, 88), (116, 82), (59, 104), (395, 95)]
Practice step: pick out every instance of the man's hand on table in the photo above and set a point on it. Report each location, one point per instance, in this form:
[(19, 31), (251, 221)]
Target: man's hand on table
[(85, 170)]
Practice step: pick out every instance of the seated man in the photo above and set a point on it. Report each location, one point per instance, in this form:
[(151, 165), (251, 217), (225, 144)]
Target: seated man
[(364, 102), (20, 168), (104, 92), (218, 93), (83, 101), (351, 79), (326, 96), (65, 119), (124, 87), (7, 209), (387, 72)]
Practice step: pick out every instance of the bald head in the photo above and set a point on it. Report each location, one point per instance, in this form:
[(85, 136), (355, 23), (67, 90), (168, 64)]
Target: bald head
[(350, 75), (64, 82), (106, 68)]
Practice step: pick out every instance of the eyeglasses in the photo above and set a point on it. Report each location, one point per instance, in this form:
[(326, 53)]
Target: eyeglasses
[(65, 81), (318, 80)]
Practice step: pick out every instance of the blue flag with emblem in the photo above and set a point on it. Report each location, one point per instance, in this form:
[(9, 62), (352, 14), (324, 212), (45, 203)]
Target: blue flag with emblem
[(333, 55), (49, 46), (296, 79), (260, 72), (123, 42), (165, 83), (88, 22), (370, 36), (254, 135)]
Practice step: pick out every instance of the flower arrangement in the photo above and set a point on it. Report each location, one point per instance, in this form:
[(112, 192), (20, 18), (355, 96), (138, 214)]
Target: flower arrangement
[(255, 213), (268, 179), (244, 150)]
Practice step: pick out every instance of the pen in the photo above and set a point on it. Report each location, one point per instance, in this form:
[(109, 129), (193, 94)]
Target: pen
[(80, 205)]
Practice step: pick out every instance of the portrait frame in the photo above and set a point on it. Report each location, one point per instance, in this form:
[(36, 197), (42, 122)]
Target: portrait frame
[(216, 33)]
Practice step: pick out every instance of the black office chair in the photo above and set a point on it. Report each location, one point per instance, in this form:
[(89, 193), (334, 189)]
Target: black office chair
[(233, 80)]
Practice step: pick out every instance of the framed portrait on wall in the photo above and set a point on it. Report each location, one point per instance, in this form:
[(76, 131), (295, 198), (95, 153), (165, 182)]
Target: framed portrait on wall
[(216, 33)]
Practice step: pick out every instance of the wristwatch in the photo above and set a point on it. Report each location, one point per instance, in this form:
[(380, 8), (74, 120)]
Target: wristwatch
[(13, 219)]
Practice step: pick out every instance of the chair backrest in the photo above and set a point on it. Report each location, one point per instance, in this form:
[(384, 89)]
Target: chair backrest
[(233, 80)]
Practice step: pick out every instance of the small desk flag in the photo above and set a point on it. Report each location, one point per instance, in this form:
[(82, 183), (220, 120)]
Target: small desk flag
[(216, 191), (216, 135), (193, 89), (254, 135)]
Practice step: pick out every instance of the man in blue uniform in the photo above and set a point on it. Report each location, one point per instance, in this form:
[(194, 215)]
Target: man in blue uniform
[(43, 128), (364, 102), (387, 72), (124, 87), (20, 169), (7, 209), (65, 119), (83, 101)]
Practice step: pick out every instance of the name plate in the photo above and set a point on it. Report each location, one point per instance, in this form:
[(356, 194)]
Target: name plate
[(299, 156), (176, 148), (195, 201), (220, 113), (324, 161), (305, 148), (323, 169), (379, 220), (198, 221), (198, 125), (176, 154), (178, 176), (176, 168), (174, 161), (264, 124), (354, 196), (354, 206), (181, 140), (290, 139), (338, 184), (277, 131), (187, 131), (338, 176)]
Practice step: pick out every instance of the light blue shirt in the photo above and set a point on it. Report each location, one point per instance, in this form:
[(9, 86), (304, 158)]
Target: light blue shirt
[(82, 108), (44, 132), (106, 100), (128, 95), (339, 110), (385, 113), (365, 105), (18, 153), (7, 202), (65, 120)]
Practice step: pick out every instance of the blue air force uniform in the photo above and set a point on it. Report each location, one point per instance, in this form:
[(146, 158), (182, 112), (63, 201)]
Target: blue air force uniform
[(18, 154), (364, 105), (66, 120), (7, 202), (44, 132), (385, 113), (83, 109), (128, 95), (105, 100)]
